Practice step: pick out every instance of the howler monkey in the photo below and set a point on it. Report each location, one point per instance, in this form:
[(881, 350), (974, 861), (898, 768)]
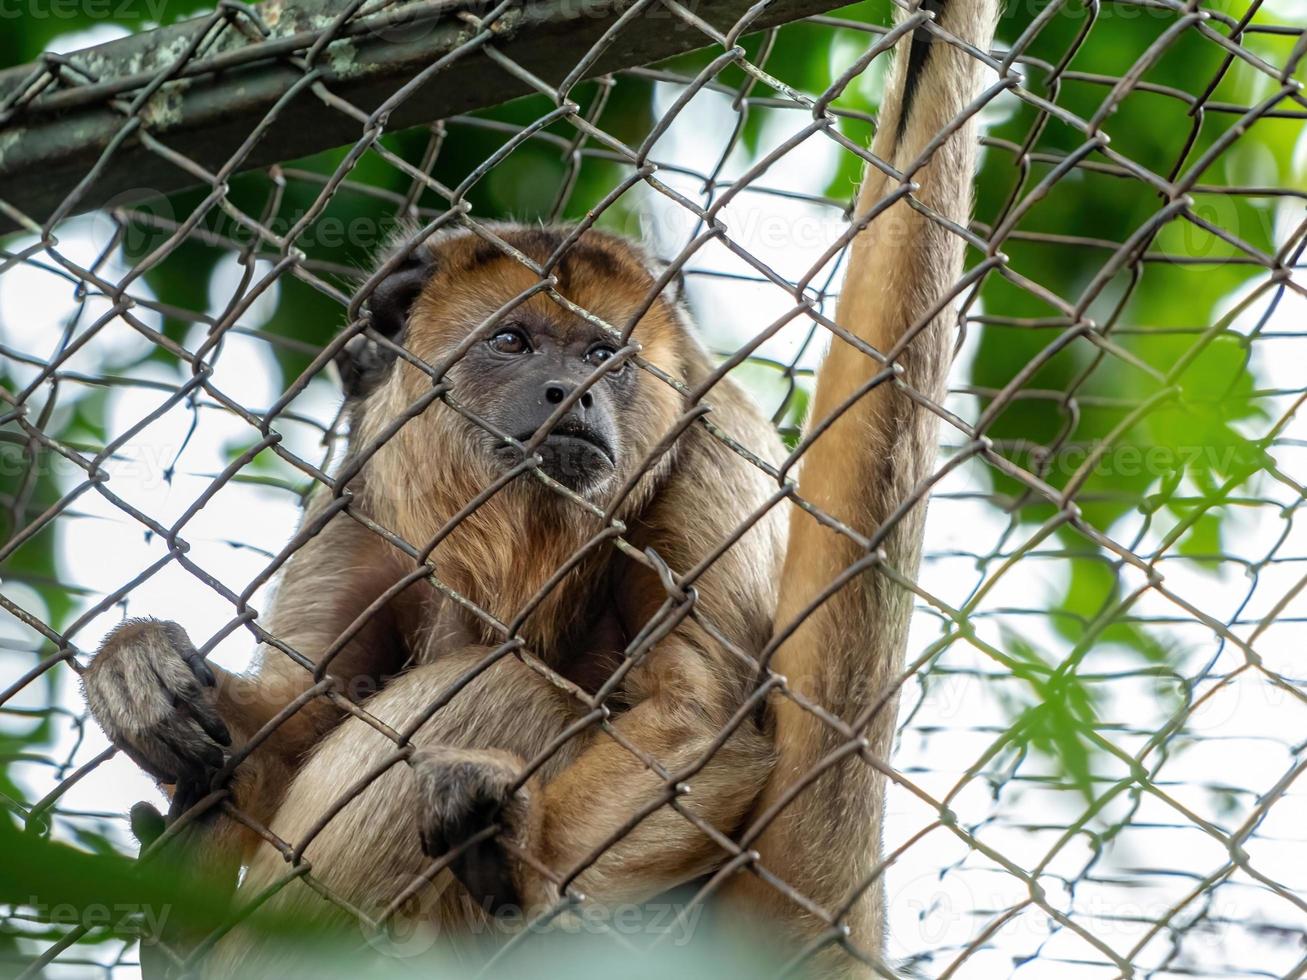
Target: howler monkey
[(531, 628)]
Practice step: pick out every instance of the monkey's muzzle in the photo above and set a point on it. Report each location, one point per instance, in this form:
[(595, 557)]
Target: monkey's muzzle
[(578, 458)]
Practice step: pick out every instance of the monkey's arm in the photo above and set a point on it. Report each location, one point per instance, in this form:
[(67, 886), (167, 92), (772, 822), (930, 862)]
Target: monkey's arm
[(607, 813), (330, 581), (872, 461), (603, 822), (175, 715)]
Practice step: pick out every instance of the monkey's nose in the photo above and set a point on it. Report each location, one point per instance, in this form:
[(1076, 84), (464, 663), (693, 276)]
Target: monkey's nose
[(556, 391)]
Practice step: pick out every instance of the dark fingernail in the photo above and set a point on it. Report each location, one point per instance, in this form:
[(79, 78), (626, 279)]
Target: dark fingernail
[(211, 723), (201, 669)]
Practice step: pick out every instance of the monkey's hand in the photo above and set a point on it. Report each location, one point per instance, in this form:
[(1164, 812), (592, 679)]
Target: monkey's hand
[(154, 696), (463, 792)]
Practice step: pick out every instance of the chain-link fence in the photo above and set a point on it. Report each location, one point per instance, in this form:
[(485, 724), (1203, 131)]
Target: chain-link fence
[(1103, 709)]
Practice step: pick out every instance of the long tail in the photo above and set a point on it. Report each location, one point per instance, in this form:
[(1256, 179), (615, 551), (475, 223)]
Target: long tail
[(818, 825)]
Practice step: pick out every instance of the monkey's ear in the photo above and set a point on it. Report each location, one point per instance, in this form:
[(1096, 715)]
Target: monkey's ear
[(393, 299), (674, 291), (363, 363)]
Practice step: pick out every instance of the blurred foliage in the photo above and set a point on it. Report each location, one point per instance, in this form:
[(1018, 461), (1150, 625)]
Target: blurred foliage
[(110, 898), (1178, 386)]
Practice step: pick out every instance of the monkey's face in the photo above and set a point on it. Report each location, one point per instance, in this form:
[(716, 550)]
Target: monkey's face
[(556, 383), (542, 381)]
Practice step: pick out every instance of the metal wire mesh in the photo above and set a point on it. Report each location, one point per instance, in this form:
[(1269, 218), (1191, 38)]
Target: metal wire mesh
[(1102, 713)]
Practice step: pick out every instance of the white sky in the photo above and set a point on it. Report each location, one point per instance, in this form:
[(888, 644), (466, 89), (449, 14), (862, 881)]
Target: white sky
[(1241, 739)]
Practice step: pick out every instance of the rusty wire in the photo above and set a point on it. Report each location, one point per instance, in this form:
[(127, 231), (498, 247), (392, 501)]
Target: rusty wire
[(973, 790)]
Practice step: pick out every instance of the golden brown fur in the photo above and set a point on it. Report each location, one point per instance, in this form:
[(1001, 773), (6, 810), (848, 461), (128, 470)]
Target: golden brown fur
[(473, 711), (876, 458), (678, 697)]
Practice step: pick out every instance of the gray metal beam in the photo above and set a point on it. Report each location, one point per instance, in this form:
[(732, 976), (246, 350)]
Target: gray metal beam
[(53, 135)]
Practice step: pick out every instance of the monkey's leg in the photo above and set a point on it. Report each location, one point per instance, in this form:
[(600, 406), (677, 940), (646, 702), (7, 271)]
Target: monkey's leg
[(371, 850), (609, 785), (605, 818)]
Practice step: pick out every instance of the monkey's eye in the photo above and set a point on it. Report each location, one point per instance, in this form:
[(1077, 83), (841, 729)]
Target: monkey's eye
[(598, 355), (509, 342)]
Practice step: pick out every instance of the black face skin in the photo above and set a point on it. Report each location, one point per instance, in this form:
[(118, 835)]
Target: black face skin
[(527, 366)]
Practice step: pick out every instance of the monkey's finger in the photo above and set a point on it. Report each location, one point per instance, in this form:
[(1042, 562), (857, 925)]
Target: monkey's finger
[(178, 687), (434, 843), (192, 746), (199, 667), (187, 793), (208, 719), (190, 699)]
